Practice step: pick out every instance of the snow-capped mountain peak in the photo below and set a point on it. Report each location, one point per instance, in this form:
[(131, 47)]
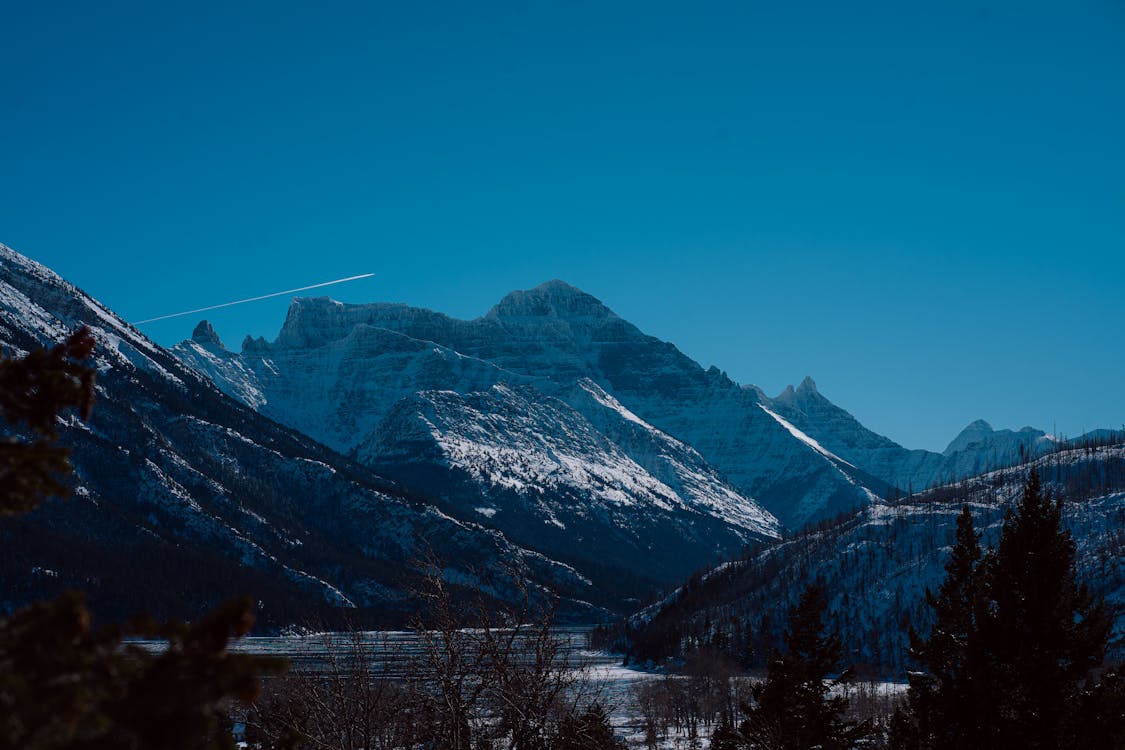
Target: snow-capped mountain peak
[(335, 370), (552, 299), (800, 396)]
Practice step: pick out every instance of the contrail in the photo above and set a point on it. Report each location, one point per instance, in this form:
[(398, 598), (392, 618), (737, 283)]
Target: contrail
[(254, 299)]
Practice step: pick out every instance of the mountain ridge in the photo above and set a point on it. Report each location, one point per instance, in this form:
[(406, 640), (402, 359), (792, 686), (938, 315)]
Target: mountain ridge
[(547, 436), (184, 495), (878, 562), (556, 335)]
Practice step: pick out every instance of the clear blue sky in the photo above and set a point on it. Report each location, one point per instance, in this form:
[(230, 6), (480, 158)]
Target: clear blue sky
[(922, 205)]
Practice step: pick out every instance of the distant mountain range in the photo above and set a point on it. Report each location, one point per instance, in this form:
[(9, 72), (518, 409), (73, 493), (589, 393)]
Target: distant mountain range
[(407, 389), (549, 439)]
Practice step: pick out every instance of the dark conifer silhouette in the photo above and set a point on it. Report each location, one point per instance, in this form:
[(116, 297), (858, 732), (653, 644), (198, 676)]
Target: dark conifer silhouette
[(1012, 659), (591, 730), (942, 709), (1042, 631), (793, 708)]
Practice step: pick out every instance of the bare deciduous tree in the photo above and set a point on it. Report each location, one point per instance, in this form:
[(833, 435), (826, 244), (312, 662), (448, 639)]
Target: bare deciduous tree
[(476, 673), (346, 693)]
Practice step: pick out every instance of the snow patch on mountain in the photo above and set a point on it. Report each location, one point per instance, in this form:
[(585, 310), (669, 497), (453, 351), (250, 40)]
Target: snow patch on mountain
[(804, 438), (609, 402), (516, 439), (673, 462)]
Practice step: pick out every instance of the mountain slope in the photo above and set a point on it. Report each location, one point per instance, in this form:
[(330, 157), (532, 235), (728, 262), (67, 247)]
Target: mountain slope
[(184, 495), (552, 337), (978, 448), (335, 371), (877, 563), (512, 449), (545, 474), (338, 391)]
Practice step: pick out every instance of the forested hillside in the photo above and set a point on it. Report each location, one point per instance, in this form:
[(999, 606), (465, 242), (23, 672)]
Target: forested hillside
[(876, 564)]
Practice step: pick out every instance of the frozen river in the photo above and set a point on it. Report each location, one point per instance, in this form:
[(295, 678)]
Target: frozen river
[(389, 652)]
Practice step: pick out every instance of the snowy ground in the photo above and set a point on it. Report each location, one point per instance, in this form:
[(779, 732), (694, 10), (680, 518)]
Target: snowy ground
[(607, 680)]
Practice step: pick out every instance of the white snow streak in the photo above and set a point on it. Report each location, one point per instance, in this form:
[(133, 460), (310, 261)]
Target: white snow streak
[(804, 438)]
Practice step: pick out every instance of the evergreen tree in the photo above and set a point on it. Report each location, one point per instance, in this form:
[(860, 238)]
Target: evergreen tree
[(726, 736), (591, 730), (942, 702), (792, 708), (1017, 639), (1042, 631)]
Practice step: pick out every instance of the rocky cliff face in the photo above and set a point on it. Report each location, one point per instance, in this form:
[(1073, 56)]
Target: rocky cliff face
[(501, 419), (184, 496), (336, 371), (603, 493), (339, 391), (551, 337)]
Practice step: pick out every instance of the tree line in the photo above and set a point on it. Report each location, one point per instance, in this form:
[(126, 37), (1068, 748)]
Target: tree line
[(876, 564), (1015, 659)]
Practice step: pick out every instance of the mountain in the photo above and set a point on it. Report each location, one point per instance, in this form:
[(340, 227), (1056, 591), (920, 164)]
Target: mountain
[(336, 372), (877, 563), (604, 492), (840, 432), (548, 440), (184, 495), (978, 448), (502, 438), (997, 446)]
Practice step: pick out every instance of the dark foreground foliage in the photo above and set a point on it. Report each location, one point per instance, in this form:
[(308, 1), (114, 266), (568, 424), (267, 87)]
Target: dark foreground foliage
[(34, 390), (64, 684)]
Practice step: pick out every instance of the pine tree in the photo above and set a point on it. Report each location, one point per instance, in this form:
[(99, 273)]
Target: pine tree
[(792, 708), (1017, 639), (1042, 631), (942, 702), (726, 736)]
